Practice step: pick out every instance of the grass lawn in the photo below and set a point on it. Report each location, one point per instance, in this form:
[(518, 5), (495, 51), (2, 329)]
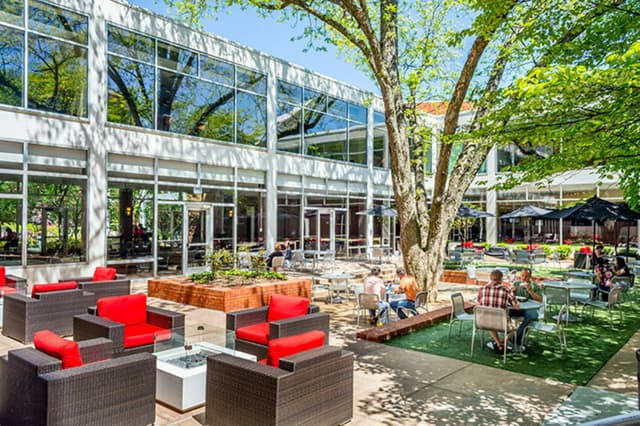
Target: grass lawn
[(590, 342)]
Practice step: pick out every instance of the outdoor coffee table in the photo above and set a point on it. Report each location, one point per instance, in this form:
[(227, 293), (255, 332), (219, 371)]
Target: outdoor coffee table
[(181, 370), (338, 282)]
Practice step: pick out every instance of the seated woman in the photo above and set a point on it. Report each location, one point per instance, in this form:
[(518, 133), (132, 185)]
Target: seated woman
[(277, 252), (605, 274)]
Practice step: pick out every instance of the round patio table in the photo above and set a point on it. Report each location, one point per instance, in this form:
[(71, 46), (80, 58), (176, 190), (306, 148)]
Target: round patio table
[(567, 286), (338, 282)]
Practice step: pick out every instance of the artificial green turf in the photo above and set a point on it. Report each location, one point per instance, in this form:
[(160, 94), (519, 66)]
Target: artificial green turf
[(590, 345)]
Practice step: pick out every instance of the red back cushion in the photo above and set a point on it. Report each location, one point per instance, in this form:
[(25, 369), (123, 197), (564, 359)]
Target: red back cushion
[(127, 310), (284, 346), (54, 345), (283, 307), (44, 288), (104, 274), (3, 275)]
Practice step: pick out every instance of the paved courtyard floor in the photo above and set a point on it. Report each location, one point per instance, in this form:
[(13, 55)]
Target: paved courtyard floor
[(397, 386)]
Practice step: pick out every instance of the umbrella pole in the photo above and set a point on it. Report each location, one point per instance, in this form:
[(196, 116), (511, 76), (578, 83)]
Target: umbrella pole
[(594, 237), (628, 226)]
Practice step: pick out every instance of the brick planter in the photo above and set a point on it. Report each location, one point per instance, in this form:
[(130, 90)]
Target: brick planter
[(225, 298), (457, 277)]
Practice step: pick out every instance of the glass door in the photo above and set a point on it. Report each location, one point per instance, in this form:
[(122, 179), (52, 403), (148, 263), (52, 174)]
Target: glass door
[(11, 232), (223, 226), (170, 238), (197, 237), (325, 229)]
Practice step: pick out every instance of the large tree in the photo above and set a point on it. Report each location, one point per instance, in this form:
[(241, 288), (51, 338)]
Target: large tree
[(407, 46)]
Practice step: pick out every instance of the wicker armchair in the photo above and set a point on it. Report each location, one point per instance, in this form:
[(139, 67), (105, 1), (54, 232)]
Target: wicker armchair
[(314, 387), (34, 390), (117, 287), (88, 326), (22, 315), (314, 320), (14, 282)]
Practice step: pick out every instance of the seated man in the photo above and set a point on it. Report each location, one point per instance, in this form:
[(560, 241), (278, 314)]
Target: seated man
[(526, 288), (409, 287), (496, 295), (373, 284)]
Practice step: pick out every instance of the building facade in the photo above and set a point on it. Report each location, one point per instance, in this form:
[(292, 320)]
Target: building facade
[(131, 140)]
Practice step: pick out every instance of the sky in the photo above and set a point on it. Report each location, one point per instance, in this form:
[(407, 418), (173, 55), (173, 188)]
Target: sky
[(272, 37)]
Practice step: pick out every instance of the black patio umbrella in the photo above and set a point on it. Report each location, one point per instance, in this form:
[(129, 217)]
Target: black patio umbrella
[(526, 212), (379, 211), (597, 210), (467, 212)]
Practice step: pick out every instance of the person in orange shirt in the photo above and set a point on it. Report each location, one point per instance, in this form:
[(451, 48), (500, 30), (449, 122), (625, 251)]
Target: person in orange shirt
[(409, 287)]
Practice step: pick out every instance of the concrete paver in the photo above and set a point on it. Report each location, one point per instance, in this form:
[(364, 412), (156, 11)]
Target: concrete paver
[(398, 386)]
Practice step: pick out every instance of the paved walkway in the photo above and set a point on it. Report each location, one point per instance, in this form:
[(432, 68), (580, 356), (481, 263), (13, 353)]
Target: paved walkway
[(398, 386)]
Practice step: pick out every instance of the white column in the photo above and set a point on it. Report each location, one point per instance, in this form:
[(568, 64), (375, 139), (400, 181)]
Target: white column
[(492, 196), (271, 199), (369, 203), (96, 202)]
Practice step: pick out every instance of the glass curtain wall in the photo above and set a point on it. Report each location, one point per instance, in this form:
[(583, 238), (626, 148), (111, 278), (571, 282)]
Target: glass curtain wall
[(154, 84), (57, 41), (129, 220), (289, 219), (250, 228), (316, 124)]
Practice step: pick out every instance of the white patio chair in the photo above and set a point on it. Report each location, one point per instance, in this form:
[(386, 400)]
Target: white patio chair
[(491, 319), (609, 305), (370, 301), (458, 313), (545, 327)]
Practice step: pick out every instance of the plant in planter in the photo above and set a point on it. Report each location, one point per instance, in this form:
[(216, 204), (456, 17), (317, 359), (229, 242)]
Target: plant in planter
[(221, 271)]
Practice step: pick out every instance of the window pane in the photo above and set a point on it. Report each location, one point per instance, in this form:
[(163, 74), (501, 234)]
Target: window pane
[(130, 99), (378, 117), (379, 152), (129, 44), (315, 100), (337, 107), (54, 21), (250, 213), (57, 76), (288, 92), (10, 184), (129, 235), (216, 71), (252, 119), (56, 222), (252, 80), (326, 137), (194, 107), (11, 11), (10, 232), (357, 113), (11, 63), (175, 58), (289, 121), (358, 143)]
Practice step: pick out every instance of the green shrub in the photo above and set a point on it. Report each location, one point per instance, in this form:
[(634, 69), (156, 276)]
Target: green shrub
[(505, 245), (563, 250), (208, 276), (486, 245), (521, 246), (547, 249), (219, 259), (451, 264), (259, 263)]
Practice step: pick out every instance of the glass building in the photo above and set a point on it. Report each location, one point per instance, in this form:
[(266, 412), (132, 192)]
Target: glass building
[(130, 140)]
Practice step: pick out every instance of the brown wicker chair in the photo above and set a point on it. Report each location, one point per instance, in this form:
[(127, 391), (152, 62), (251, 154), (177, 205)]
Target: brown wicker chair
[(88, 326), (34, 390), (118, 287), (314, 320), (314, 387), (22, 315)]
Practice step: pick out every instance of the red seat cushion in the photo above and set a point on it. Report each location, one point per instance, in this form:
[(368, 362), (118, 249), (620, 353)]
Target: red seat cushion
[(66, 351), (284, 346), (7, 290), (44, 288), (257, 333), (3, 275), (143, 334), (127, 310), (283, 307), (104, 274)]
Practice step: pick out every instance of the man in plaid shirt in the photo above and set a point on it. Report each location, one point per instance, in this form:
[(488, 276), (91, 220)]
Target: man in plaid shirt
[(495, 295)]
